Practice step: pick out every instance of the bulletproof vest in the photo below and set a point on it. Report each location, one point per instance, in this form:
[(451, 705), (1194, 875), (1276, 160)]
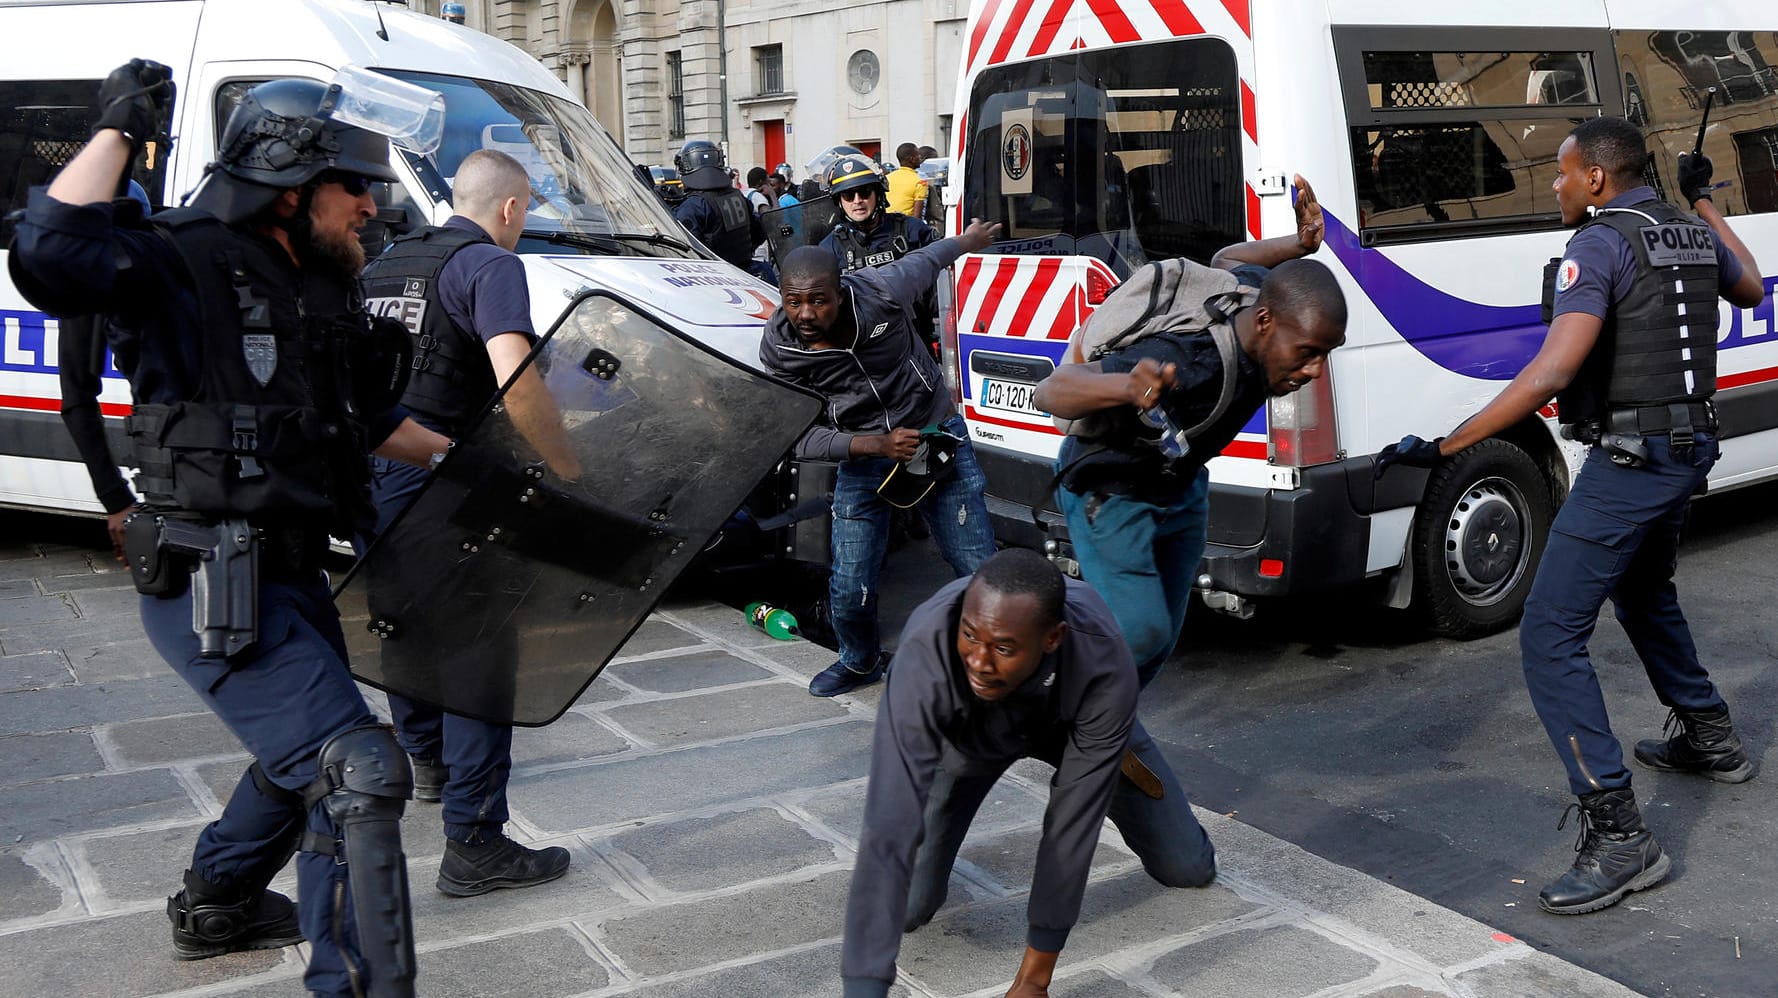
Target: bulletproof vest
[(1660, 340), (855, 244), (452, 378), (733, 241), (271, 430)]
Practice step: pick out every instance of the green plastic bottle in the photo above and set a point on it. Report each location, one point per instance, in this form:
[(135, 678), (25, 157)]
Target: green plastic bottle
[(780, 624)]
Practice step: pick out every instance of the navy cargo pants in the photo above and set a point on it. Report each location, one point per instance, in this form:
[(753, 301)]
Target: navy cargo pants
[(1617, 538), (476, 754), (283, 698)]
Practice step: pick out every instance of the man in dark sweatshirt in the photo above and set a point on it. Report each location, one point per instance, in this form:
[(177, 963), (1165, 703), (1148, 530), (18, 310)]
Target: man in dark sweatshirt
[(1014, 663), (853, 340)]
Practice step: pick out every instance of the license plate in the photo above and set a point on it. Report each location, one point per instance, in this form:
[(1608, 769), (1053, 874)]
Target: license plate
[(1008, 396)]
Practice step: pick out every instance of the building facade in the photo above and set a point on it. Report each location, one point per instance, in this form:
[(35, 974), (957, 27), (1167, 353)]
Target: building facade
[(773, 80)]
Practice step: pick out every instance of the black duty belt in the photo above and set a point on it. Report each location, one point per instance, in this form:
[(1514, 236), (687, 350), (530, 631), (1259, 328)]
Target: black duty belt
[(1647, 419)]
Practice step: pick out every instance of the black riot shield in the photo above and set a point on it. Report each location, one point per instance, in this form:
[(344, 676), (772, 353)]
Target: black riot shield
[(504, 587), (804, 224)]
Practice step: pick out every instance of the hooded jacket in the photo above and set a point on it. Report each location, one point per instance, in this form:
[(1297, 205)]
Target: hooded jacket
[(888, 378)]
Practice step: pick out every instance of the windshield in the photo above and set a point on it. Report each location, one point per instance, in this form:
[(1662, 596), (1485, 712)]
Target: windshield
[(1128, 155), (583, 190)]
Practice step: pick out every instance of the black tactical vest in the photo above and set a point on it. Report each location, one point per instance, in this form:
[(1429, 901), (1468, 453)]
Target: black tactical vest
[(855, 244), (272, 431), (1658, 344), (734, 240), (452, 378)]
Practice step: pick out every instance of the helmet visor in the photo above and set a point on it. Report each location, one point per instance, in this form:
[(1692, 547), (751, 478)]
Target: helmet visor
[(410, 116)]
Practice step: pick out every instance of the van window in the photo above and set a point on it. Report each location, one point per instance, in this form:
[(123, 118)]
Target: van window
[(1126, 155), (581, 182), (43, 124), (1666, 77), (1455, 132)]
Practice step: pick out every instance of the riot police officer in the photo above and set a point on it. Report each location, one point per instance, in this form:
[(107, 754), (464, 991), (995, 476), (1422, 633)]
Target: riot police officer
[(1631, 359), (260, 384), (667, 185), (868, 235), (713, 210)]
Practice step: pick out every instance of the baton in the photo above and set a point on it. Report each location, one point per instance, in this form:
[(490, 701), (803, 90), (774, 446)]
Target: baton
[(1709, 97)]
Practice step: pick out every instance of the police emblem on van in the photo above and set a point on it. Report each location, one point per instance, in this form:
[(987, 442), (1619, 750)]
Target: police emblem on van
[(261, 353)]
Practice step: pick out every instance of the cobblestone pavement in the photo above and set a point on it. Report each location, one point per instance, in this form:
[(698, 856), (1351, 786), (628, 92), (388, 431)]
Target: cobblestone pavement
[(712, 808)]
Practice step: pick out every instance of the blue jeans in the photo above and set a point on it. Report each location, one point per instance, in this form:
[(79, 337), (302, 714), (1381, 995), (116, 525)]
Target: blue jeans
[(954, 511), (1616, 537), (477, 754), (1142, 558), (1164, 834), (283, 698)]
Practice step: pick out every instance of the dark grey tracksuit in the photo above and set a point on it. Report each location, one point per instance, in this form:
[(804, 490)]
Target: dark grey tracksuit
[(1076, 712), (888, 379)]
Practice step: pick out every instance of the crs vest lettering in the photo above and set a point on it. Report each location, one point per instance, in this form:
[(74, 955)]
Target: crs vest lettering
[(452, 379)]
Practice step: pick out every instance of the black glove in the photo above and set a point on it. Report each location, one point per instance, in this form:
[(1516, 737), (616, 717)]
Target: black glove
[(1694, 177), (1412, 451), (134, 100)]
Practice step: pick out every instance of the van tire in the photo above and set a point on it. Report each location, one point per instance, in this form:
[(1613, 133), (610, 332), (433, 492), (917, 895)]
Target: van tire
[(1477, 538)]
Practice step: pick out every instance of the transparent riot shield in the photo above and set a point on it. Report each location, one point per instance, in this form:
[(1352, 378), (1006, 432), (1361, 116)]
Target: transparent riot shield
[(550, 531), (804, 224)]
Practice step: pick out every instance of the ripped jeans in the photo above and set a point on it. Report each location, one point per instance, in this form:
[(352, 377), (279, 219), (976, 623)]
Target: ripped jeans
[(954, 511)]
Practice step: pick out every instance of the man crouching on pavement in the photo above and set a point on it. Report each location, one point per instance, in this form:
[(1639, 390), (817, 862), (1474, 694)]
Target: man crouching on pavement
[(852, 340), (1015, 662)]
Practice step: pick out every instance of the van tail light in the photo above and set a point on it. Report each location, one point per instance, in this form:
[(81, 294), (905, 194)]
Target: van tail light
[(1301, 427), (1098, 286), (948, 356)]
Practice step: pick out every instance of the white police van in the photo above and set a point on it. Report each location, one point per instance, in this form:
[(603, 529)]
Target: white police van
[(1105, 134), (595, 224)]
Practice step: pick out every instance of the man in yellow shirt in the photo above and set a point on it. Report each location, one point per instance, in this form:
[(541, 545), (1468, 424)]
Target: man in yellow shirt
[(907, 192)]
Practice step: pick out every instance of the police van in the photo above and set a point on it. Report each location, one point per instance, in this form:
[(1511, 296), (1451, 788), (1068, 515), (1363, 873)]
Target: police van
[(595, 225), (1107, 134)]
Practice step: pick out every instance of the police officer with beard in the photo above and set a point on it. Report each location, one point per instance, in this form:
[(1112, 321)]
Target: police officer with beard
[(260, 385), (1631, 359), (713, 210)]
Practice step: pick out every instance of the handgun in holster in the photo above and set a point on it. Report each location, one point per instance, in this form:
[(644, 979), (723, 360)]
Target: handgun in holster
[(219, 562)]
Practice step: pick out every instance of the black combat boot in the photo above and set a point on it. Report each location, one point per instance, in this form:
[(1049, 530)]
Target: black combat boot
[(1705, 744), (495, 862), (429, 778), (1617, 855), (210, 920)]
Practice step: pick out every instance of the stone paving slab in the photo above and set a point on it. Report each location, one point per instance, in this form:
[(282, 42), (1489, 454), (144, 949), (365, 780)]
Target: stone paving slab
[(709, 716), (66, 707), (626, 789), (131, 868), (45, 810), (123, 955), (17, 611), (159, 740), (710, 852), (695, 669), (29, 758), (1009, 805), (34, 671), (546, 964), (1283, 961), (100, 662), (692, 934), (25, 889), (570, 739), (657, 635), (1011, 857), (113, 577)]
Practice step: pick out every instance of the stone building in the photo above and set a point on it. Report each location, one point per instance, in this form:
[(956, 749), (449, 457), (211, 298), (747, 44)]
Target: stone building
[(793, 76)]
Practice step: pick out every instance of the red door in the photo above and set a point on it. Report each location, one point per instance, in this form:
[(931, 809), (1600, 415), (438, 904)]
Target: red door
[(773, 134), (872, 149)]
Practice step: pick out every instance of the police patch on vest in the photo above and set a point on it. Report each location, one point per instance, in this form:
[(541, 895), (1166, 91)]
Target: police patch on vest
[(878, 259), (1567, 274), (414, 288), (1678, 244), (410, 312), (261, 353)]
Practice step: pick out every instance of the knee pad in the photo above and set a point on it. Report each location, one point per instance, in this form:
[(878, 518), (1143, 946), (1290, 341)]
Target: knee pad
[(362, 771)]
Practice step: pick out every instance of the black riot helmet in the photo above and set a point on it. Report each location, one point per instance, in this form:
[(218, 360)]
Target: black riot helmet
[(667, 184), (851, 173), (701, 166), (282, 135)]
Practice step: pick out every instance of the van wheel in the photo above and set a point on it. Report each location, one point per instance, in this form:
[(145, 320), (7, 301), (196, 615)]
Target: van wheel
[(1477, 539)]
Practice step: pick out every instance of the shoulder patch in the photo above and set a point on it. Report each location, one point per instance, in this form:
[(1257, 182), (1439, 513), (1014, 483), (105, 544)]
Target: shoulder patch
[(1567, 274)]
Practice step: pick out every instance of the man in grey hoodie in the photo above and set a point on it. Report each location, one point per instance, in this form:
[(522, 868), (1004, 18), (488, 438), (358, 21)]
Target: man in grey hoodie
[(853, 341)]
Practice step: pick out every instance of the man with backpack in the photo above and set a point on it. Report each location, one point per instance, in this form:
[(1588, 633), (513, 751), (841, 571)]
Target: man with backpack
[(1160, 380)]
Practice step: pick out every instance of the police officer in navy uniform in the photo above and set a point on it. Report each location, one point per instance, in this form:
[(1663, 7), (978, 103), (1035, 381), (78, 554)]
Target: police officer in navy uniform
[(260, 383), (1631, 359), (869, 235), (461, 291), (713, 210)]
